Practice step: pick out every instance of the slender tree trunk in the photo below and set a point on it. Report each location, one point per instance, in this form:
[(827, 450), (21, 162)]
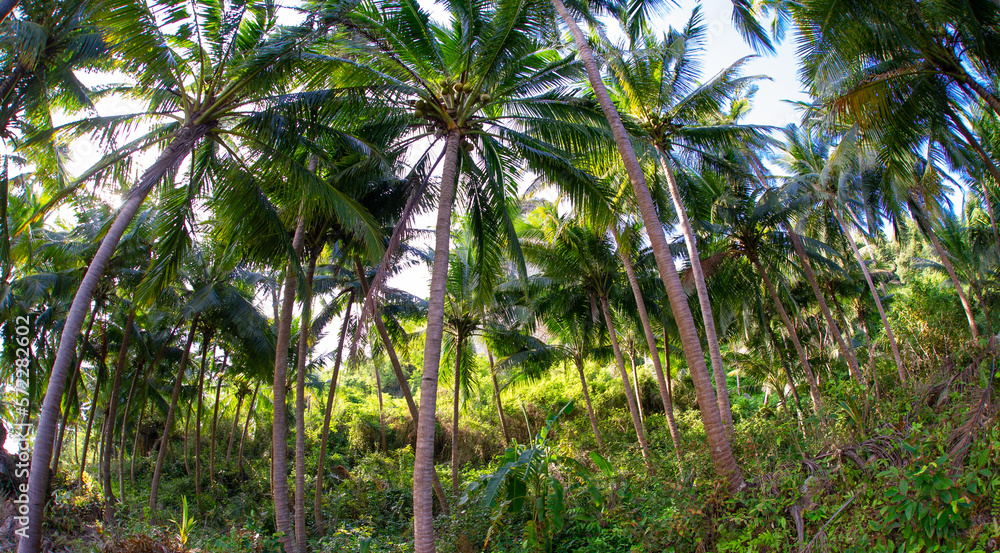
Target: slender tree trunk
[(300, 401), (852, 361), (187, 434), (72, 386), (101, 369), (279, 444), (328, 413), (715, 429), (109, 441), (708, 318), (635, 382), (875, 295), (125, 413), (41, 457), (792, 333), (785, 366), (397, 368), (206, 350), (647, 329), (135, 445), (454, 420), (246, 429), (925, 225), (671, 421), (236, 419), (496, 398), (629, 396), (169, 423), (586, 398), (381, 408), (215, 419), (423, 514)]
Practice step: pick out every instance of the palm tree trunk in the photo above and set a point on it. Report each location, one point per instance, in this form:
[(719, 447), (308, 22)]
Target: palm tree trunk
[(381, 408), (455, 411), (397, 368), (236, 420), (121, 445), (792, 333), (215, 419), (715, 429), (848, 353), (875, 295), (246, 429), (169, 423), (38, 480), (187, 440), (109, 441), (300, 401), (496, 398), (671, 421), (279, 445), (101, 369), (72, 386), (925, 225), (708, 318), (205, 342), (423, 466), (629, 396), (586, 398), (635, 382), (321, 462), (647, 329), (135, 445), (785, 366)]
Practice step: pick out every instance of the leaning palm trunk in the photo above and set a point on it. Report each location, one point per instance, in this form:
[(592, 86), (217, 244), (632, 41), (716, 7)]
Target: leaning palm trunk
[(171, 411), (792, 333), (38, 480), (233, 428), (629, 396), (423, 466), (300, 402), (578, 359), (848, 353), (948, 267), (875, 295), (707, 317), (279, 441), (109, 439), (328, 413), (647, 329), (715, 429), (397, 369)]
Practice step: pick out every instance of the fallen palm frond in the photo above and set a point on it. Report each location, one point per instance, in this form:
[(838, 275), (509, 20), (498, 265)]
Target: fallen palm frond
[(982, 409)]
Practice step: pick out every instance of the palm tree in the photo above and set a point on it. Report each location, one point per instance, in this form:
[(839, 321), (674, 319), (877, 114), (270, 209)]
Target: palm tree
[(574, 255), (829, 178), (722, 456), (228, 67), (485, 85), (682, 123)]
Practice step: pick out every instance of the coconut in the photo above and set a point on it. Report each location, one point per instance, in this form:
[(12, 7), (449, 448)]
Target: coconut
[(418, 113)]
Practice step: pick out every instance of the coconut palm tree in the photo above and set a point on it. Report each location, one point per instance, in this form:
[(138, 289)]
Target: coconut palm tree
[(229, 70), (722, 457), (485, 84), (681, 123), (575, 255)]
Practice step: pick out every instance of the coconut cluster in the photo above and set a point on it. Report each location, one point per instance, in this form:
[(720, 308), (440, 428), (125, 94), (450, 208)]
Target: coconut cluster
[(454, 95)]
